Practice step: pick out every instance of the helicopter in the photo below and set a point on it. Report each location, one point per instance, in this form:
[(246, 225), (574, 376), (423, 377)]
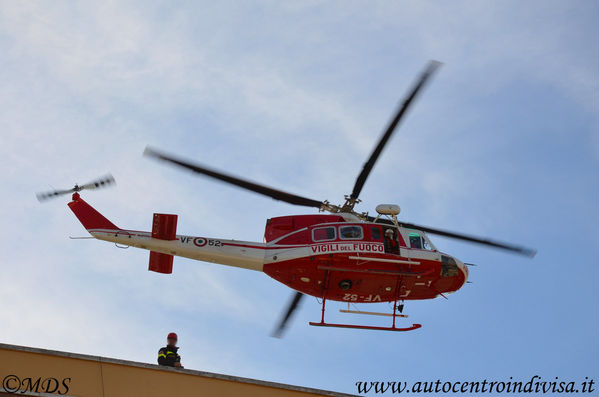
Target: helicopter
[(338, 254)]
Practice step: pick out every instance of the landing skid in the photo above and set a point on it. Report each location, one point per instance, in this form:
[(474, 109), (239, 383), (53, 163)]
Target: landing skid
[(392, 328), (372, 313), (397, 309)]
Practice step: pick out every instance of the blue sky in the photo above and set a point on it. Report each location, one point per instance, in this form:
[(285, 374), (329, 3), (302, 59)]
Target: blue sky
[(504, 142)]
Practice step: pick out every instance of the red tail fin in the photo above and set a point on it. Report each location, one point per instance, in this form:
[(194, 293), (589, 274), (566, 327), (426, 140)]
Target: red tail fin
[(164, 227), (88, 216), (161, 263)]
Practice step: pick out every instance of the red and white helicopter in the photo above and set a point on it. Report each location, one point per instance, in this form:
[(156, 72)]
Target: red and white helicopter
[(343, 256)]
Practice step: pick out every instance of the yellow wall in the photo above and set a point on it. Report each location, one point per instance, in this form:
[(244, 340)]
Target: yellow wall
[(90, 376)]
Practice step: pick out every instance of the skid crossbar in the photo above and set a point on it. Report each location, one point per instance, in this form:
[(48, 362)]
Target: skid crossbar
[(395, 314)]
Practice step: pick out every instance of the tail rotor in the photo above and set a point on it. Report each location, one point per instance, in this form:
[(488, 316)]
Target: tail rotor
[(102, 182)]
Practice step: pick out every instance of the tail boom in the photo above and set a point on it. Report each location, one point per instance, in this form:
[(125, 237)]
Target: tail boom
[(243, 254), (247, 255)]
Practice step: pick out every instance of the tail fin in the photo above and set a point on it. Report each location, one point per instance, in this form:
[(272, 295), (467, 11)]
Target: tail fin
[(161, 263), (88, 216), (164, 227)]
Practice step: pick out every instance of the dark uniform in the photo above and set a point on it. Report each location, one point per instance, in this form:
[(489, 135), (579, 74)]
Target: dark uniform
[(391, 245), (168, 356)]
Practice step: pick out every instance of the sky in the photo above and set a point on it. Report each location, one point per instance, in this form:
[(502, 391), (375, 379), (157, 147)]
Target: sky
[(504, 142)]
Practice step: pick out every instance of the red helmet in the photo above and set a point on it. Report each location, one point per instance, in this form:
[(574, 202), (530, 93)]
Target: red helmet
[(172, 335)]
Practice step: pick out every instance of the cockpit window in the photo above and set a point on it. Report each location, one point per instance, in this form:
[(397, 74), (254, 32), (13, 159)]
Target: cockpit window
[(375, 233), (415, 241), (324, 233), (350, 232), (420, 242)]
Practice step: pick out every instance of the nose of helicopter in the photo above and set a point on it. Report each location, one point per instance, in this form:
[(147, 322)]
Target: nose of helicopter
[(463, 268)]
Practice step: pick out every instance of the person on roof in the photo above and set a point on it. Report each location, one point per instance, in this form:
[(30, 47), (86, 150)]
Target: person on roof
[(168, 355)]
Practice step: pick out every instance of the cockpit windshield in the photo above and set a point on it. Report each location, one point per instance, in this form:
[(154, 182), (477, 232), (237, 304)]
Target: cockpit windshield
[(426, 245)]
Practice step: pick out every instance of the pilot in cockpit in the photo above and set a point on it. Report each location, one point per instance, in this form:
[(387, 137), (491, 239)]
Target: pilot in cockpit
[(415, 241)]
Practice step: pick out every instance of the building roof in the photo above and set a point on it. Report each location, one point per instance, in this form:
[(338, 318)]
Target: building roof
[(150, 370)]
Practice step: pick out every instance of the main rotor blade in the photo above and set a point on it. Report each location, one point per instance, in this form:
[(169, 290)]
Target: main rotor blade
[(254, 187), (290, 309), (465, 237), (478, 240), (430, 69)]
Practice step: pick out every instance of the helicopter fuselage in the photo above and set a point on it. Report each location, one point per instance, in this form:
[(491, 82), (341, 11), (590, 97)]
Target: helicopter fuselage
[(347, 260)]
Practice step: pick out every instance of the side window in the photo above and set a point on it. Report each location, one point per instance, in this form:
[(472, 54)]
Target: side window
[(324, 233), (351, 232), (415, 241), (375, 233)]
